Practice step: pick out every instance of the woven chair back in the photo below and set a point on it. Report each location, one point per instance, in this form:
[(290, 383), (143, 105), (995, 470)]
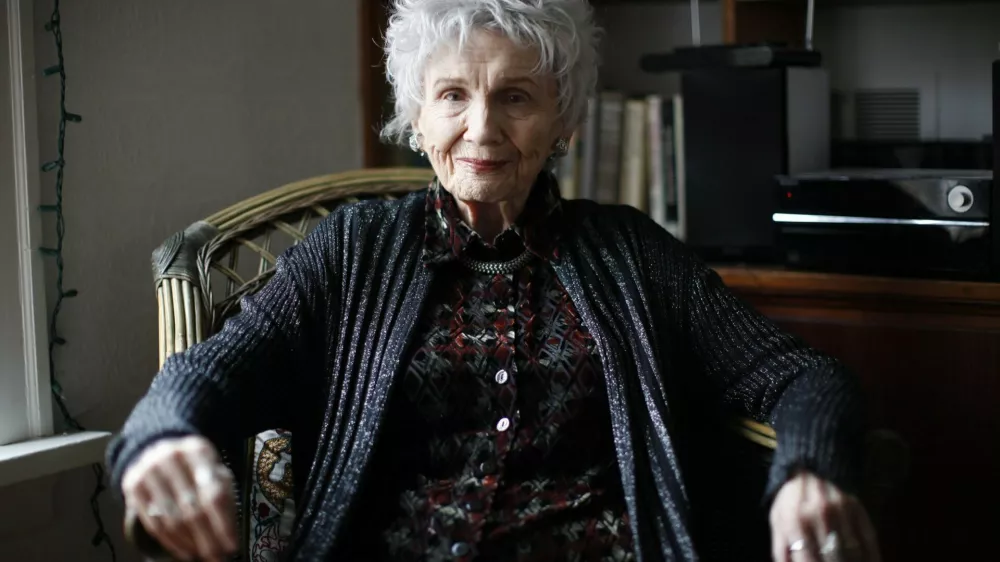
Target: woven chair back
[(201, 273)]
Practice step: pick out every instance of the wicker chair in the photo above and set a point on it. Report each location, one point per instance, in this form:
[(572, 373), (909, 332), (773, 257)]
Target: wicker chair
[(202, 272)]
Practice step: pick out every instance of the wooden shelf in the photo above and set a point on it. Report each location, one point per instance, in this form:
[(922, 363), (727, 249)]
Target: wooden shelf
[(776, 281), (867, 301)]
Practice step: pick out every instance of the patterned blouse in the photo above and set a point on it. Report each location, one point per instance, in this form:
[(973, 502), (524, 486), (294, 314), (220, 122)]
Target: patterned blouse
[(498, 443)]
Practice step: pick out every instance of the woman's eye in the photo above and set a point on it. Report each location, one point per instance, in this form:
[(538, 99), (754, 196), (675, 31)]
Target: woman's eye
[(517, 97), (451, 96)]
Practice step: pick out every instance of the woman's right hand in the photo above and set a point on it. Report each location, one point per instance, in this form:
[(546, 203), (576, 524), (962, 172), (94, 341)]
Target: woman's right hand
[(183, 494)]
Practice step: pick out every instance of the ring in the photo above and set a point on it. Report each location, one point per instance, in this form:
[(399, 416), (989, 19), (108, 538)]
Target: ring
[(832, 543), (831, 550), (188, 498), (156, 510), (797, 545), (205, 475)]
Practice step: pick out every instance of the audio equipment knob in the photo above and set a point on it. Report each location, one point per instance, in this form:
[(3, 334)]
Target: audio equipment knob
[(960, 199)]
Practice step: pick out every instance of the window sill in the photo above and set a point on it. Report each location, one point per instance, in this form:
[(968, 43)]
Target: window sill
[(48, 455)]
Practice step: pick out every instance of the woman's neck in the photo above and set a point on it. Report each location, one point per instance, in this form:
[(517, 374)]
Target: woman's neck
[(490, 219)]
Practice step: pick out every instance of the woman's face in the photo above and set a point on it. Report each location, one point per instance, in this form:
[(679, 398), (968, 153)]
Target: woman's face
[(488, 123)]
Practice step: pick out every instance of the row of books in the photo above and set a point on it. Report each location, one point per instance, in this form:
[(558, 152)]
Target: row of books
[(630, 151)]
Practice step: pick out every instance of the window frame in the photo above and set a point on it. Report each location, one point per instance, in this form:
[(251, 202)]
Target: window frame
[(31, 416)]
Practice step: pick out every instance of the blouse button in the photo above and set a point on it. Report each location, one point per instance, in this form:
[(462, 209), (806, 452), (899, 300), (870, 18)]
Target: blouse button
[(503, 424), (502, 377), (487, 467), (460, 549)]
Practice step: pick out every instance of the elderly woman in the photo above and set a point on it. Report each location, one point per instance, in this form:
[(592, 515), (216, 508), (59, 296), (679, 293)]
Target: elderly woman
[(482, 370)]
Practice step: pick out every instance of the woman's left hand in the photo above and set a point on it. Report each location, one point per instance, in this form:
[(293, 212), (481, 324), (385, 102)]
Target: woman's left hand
[(814, 521)]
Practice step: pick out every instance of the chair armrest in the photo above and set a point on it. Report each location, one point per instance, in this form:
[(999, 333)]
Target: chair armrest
[(184, 314), (756, 432)]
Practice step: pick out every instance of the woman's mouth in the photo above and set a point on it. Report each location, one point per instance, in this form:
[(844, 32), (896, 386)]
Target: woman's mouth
[(483, 166)]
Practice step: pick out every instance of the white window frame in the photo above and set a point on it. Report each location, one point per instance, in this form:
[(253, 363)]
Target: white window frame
[(28, 449), (19, 166)]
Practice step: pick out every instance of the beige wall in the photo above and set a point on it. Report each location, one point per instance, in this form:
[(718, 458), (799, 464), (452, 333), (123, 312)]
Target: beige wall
[(188, 106)]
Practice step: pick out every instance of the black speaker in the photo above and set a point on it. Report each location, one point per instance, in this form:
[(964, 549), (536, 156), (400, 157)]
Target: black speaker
[(742, 128)]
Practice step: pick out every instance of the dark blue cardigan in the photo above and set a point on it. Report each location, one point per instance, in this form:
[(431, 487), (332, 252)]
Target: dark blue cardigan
[(318, 350)]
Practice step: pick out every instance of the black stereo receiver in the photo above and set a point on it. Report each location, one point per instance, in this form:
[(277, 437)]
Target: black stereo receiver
[(897, 222)]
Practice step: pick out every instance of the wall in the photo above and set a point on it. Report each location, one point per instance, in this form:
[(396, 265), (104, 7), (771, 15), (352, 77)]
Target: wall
[(633, 30), (188, 106), (943, 50)]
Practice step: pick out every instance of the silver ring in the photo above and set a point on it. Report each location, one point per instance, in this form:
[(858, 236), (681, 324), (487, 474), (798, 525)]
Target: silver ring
[(205, 475), (188, 499), (156, 510), (831, 550), (797, 545), (832, 543)]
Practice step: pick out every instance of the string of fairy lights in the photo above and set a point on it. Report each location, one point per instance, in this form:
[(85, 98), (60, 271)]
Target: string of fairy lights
[(57, 166)]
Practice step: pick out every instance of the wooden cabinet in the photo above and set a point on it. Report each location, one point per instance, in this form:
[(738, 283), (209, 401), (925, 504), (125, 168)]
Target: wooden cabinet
[(928, 355)]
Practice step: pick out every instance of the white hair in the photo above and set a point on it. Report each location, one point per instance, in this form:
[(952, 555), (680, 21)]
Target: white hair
[(562, 31)]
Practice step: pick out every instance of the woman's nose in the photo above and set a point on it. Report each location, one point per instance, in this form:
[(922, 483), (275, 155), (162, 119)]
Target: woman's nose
[(482, 126)]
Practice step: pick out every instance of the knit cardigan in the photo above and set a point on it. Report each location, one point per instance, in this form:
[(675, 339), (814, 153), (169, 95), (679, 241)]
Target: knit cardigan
[(319, 349)]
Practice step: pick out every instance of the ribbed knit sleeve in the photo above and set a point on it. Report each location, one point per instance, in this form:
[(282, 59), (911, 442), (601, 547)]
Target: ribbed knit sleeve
[(239, 381), (762, 372)]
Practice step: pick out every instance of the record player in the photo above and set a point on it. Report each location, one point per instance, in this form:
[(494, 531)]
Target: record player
[(926, 223)]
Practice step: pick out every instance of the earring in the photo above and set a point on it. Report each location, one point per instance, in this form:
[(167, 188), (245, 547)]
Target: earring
[(561, 148), (415, 143)]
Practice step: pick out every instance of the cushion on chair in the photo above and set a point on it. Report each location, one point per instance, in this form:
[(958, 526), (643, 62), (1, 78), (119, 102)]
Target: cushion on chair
[(270, 502)]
